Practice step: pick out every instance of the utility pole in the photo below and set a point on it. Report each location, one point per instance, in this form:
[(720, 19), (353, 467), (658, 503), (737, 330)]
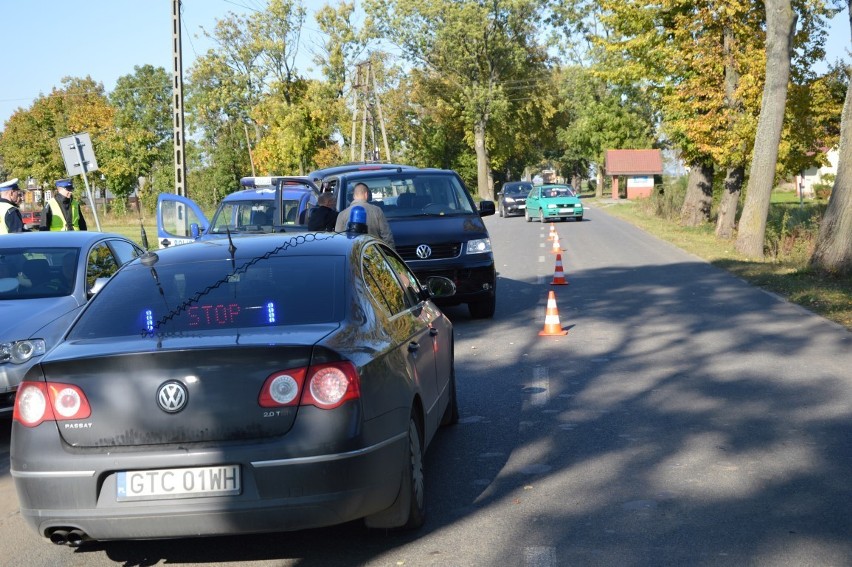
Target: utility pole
[(179, 131), (365, 98)]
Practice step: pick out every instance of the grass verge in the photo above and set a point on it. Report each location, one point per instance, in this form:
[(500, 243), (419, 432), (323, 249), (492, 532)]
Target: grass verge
[(788, 277)]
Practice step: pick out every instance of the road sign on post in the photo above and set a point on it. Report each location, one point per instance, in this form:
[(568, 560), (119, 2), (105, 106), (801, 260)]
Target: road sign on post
[(79, 157), (78, 154)]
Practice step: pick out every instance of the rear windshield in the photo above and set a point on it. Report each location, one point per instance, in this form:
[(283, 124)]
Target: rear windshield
[(212, 295), (403, 195)]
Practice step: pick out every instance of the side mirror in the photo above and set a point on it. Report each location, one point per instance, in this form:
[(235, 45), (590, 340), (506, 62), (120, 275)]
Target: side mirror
[(194, 230), (486, 208), (439, 286)]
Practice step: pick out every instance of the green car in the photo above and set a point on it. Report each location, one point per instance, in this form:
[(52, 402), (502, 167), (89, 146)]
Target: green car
[(550, 202)]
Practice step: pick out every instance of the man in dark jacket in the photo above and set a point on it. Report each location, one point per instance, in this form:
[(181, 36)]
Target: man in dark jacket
[(10, 215), (323, 216), (62, 212)]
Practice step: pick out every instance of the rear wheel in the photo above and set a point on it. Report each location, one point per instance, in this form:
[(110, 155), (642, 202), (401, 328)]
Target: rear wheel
[(414, 477)]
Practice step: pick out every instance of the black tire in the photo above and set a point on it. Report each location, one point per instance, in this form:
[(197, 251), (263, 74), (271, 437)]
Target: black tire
[(483, 309), (541, 216), (500, 211), (415, 479), (451, 414), (579, 219), (527, 215)]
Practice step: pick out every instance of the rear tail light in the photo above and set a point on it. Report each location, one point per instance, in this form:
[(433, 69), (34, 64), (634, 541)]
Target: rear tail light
[(36, 402), (325, 386)]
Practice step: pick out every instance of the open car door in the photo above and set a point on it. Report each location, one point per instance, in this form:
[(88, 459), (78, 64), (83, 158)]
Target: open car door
[(179, 220)]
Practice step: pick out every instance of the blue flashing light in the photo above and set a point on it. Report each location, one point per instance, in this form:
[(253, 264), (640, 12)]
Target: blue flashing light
[(270, 312), (357, 220), (359, 215)]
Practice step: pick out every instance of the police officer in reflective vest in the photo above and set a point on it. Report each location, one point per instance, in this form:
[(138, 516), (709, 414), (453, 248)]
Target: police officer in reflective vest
[(62, 212), (10, 215)]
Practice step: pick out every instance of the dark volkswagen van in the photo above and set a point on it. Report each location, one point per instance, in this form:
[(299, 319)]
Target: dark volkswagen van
[(437, 228)]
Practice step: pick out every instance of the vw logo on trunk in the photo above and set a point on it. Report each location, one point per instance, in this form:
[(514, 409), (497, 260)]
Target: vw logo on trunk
[(423, 251), (172, 397)]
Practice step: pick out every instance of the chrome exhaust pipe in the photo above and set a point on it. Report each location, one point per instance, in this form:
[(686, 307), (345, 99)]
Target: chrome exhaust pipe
[(76, 538), (59, 537)]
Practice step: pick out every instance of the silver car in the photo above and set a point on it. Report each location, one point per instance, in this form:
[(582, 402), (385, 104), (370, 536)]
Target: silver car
[(45, 278)]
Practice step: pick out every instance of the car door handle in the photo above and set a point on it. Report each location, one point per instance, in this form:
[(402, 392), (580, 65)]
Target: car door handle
[(433, 331), (413, 346)]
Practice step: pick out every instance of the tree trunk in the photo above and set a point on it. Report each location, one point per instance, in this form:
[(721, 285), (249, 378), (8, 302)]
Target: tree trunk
[(727, 218), (833, 253), (484, 179), (699, 194), (780, 25)]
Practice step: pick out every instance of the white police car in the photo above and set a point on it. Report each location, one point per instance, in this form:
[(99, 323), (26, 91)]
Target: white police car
[(268, 204)]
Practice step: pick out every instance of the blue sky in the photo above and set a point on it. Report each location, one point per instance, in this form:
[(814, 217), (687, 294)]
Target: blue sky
[(47, 40)]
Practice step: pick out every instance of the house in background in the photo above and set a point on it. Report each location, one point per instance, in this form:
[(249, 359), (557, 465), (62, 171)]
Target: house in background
[(639, 166), (816, 175)]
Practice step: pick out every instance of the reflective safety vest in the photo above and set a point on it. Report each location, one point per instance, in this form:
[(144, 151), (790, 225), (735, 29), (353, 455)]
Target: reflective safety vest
[(4, 208), (57, 215)]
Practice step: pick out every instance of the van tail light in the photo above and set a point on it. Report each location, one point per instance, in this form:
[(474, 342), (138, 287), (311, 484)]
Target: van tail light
[(36, 402), (325, 386)]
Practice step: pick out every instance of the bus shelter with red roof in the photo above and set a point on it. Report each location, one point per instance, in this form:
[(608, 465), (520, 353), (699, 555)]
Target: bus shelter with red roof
[(639, 166)]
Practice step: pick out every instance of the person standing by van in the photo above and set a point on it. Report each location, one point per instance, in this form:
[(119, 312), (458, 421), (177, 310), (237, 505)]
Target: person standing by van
[(377, 224), (62, 212), (323, 217)]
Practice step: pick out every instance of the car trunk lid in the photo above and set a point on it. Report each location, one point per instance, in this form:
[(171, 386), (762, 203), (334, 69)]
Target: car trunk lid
[(176, 396)]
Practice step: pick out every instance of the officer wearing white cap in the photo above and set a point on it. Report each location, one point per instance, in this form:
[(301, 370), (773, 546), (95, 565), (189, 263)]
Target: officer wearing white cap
[(10, 215), (62, 212)]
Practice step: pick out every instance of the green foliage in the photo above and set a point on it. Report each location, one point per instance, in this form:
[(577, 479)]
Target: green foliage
[(823, 189), (30, 141), (481, 60), (667, 199), (791, 231), (142, 137)]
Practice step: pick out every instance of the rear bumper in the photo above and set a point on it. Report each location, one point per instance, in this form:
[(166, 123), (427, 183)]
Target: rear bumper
[(276, 494)]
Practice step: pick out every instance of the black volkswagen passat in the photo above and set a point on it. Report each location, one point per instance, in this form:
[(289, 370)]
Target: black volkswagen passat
[(271, 383)]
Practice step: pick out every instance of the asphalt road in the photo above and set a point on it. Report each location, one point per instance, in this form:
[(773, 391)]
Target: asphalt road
[(686, 418)]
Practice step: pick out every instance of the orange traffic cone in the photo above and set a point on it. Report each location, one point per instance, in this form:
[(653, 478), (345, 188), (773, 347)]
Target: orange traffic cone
[(556, 247), (552, 327), (552, 234), (558, 274)]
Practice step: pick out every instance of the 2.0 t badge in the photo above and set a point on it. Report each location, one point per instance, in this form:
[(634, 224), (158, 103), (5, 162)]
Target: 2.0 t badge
[(172, 397)]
